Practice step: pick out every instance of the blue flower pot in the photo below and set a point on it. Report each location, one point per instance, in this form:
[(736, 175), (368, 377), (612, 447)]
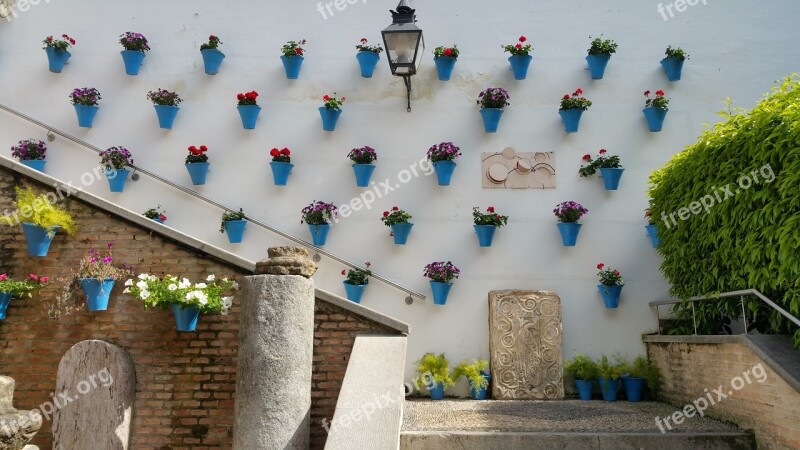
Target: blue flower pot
[(367, 61), (329, 117), (86, 115), (609, 388), (292, 65), (571, 118), (673, 67), (520, 64), (97, 293), (584, 389), (437, 392), (655, 117), (634, 387), (485, 234), (133, 61), (480, 394), (38, 238), (354, 291), (440, 292), (157, 220), (249, 115), (235, 230), (5, 299), (56, 58), (116, 179), (211, 60), (36, 164), (444, 66), (610, 295), (198, 172), (185, 317), (363, 173), (652, 231), (611, 177), (569, 233), (401, 232), (280, 172), (444, 171), (491, 119), (319, 233), (597, 65), (166, 115)]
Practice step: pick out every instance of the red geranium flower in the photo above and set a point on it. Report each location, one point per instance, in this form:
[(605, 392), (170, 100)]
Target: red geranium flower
[(274, 152), (240, 96), (163, 218), (299, 51), (646, 93), (386, 214), (587, 157), (566, 96), (364, 40), (600, 266), (490, 209), (518, 45), (285, 152), (579, 91), (326, 97), (523, 38), (660, 92), (602, 151), (395, 208), (448, 51), (343, 272), (203, 148)]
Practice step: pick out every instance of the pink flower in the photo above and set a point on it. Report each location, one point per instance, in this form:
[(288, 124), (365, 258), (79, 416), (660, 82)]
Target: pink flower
[(33, 277), (44, 279), (3, 277)]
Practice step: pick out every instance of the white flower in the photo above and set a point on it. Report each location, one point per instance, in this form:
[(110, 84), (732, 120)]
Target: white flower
[(129, 283), (142, 285), (211, 278), (144, 295), (200, 286), (152, 278), (127, 290), (172, 287), (184, 284), (203, 300), (142, 276), (227, 302), (236, 285)]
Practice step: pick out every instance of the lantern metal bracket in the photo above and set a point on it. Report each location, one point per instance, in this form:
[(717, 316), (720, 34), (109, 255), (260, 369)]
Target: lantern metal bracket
[(407, 82)]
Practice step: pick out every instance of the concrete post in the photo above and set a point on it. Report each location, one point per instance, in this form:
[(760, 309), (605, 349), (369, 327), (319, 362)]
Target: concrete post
[(276, 342)]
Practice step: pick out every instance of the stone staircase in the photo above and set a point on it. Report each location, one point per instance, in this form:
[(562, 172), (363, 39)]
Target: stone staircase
[(17, 428), (568, 424)]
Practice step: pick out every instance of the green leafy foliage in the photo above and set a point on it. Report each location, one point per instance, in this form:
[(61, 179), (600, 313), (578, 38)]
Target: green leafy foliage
[(472, 371), (748, 169), (608, 370), (39, 210), (641, 367), (581, 367), (437, 367)]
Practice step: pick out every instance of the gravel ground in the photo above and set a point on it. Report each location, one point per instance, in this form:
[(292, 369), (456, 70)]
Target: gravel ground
[(547, 416)]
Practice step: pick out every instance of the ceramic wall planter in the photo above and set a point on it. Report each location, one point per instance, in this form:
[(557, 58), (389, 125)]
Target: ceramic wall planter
[(367, 61), (444, 67), (133, 61), (56, 59), (212, 59)]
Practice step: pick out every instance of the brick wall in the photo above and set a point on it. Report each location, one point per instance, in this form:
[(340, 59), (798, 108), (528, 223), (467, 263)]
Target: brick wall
[(185, 382), (770, 409)]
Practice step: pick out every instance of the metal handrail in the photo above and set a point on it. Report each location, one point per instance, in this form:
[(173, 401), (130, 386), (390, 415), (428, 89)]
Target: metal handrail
[(741, 294), (55, 131)]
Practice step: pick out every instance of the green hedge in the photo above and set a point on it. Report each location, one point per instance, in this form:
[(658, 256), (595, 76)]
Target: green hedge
[(728, 213)]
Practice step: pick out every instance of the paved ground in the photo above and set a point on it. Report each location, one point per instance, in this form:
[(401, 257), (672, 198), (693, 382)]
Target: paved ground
[(548, 416)]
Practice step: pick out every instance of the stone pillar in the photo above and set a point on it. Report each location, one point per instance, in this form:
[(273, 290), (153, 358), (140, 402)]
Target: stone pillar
[(276, 343), (17, 428)]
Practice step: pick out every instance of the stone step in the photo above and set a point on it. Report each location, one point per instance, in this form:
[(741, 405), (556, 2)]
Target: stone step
[(568, 424), (6, 394)]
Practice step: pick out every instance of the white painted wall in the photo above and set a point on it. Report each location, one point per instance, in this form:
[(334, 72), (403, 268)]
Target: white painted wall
[(737, 47)]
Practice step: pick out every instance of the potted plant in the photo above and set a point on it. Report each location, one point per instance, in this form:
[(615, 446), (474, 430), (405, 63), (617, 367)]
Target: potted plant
[(330, 111), (135, 46), (673, 63), (292, 58), (398, 221), (443, 156), (520, 59), (584, 370), (357, 280), (57, 53), (115, 160), (610, 286), (492, 102), (363, 158), (608, 377), (445, 59), (571, 110), (655, 110), (318, 215), (600, 53), (436, 369), (10, 289), (248, 109), (475, 373), (197, 164), (85, 102), (156, 214), (652, 228), (568, 214), (166, 105), (40, 219), (97, 273), (637, 375), (486, 224), (368, 57), (441, 275), (30, 152), (609, 166), (233, 222), (212, 57), (186, 299), (281, 165)]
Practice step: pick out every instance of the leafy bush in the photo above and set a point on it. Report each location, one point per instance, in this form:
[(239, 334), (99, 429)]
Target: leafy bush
[(472, 371), (641, 367), (749, 240), (437, 367), (581, 367), (602, 47), (38, 210), (608, 370)]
